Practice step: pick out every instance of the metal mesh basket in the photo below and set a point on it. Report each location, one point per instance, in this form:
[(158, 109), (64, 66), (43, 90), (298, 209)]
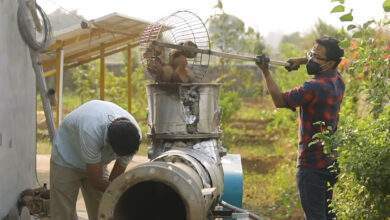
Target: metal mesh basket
[(177, 28)]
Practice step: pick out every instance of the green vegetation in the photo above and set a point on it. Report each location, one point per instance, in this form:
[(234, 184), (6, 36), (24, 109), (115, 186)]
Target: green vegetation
[(363, 138), (363, 189), (268, 149)]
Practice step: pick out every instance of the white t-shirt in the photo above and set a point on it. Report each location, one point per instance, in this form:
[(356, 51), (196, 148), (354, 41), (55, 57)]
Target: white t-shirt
[(82, 136)]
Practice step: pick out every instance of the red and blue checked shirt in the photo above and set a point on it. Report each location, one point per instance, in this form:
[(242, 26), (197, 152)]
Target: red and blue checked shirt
[(318, 100)]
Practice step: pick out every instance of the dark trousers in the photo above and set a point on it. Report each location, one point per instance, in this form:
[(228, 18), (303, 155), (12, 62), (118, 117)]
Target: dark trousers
[(315, 192)]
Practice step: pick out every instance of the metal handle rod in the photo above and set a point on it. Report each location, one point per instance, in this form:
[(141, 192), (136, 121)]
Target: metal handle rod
[(43, 91), (216, 53)]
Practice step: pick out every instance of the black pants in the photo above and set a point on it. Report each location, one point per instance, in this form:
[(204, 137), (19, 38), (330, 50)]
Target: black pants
[(315, 192)]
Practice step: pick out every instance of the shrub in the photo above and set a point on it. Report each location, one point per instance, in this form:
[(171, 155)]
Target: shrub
[(230, 103), (363, 190)]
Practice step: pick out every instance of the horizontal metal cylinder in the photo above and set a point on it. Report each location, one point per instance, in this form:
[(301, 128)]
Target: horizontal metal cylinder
[(176, 185)]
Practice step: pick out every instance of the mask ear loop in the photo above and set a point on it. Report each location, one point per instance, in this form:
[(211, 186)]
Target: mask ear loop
[(323, 65)]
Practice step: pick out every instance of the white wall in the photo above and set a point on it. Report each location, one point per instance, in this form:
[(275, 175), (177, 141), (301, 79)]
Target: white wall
[(17, 111)]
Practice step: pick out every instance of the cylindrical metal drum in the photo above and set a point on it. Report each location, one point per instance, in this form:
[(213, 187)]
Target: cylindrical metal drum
[(177, 185), (184, 110)]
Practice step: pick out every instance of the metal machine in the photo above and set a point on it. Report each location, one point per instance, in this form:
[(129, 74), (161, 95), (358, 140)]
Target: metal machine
[(185, 177), (189, 176)]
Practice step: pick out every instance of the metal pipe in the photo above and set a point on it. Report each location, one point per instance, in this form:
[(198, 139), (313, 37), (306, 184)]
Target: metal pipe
[(237, 209), (177, 185), (44, 95), (217, 53)]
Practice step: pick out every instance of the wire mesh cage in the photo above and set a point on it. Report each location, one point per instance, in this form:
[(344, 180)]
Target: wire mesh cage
[(180, 28)]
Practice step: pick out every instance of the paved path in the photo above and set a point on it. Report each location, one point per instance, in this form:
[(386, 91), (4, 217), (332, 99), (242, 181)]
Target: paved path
[(43, 170)]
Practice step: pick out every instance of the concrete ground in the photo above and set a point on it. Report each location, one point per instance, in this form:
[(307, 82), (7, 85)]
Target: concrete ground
[(43, 170)]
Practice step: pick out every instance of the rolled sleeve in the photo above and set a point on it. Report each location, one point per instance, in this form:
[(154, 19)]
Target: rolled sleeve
[(124, 160), (299, 96)]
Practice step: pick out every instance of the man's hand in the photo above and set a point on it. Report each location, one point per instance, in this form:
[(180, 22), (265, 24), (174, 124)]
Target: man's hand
[(263, 63), (98, 175), (295, 63), (117, 170)]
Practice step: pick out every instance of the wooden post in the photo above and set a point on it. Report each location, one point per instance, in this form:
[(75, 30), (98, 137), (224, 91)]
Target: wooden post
[(59, 84), (129, 83), (102, 81)]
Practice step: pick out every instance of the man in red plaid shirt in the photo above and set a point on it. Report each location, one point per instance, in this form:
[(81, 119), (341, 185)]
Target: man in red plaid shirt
[(319, 100)]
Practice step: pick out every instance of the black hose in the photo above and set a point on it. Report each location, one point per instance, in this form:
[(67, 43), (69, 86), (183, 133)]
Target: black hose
[(25, 23), (237, 209)]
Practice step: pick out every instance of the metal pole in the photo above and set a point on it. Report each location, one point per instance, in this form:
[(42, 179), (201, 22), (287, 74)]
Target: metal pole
[(217, 53), (129, 80), (102, 82), (43, 92), (59, 84)]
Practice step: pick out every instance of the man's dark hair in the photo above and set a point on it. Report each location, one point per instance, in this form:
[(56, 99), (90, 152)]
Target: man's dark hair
[(123, 136), (333, 50)]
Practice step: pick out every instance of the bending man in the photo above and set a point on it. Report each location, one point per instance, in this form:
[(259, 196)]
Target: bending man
[(89, 138)]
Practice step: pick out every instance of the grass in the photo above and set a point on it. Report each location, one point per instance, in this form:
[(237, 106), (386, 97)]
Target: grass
[(266, 140)]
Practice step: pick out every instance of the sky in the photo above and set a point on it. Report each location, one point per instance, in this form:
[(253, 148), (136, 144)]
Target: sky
[(269, 17)]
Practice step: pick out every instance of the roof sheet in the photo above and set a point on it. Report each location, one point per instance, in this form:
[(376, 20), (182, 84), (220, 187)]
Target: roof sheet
[(112, 32)]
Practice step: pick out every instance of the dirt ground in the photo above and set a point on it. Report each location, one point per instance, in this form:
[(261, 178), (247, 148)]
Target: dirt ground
[(43, 170)]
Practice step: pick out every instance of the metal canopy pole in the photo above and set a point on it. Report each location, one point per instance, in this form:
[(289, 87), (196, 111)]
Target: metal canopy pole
[(102, 82), (129, 80), (59, 84)]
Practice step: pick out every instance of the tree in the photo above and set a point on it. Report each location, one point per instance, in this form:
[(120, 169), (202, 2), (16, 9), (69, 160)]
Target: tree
[(228, 33), (304, 42), (321, 28), (60, 19)]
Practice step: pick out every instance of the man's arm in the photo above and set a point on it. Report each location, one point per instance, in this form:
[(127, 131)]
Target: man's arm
[(117, 170), (273, 89), (98, 179), (95, 175)]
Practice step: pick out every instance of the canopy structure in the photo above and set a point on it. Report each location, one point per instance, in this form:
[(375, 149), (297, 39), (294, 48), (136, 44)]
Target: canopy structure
[(91, 40)]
